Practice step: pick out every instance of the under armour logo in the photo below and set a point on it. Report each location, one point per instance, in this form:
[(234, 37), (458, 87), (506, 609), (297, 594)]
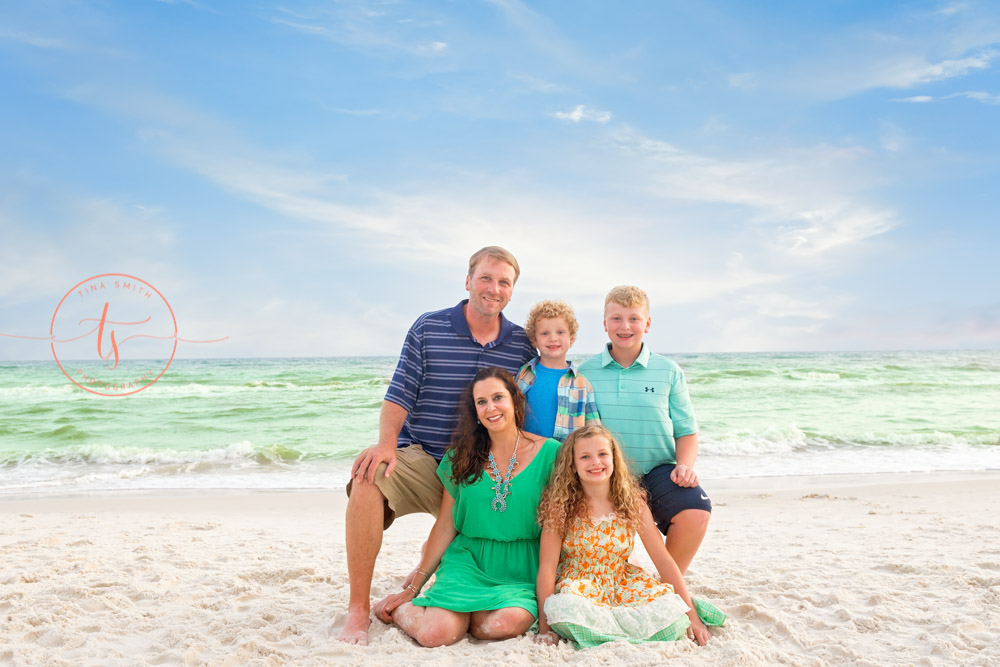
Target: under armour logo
[(651, 389)]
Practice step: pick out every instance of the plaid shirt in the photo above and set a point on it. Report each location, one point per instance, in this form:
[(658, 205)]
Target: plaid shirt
[(575, 405)]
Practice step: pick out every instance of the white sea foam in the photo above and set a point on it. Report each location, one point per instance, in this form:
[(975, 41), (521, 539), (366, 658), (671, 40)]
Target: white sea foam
[(235, 454), (61, 390), (192, 389), (771, 440), (788, 439)]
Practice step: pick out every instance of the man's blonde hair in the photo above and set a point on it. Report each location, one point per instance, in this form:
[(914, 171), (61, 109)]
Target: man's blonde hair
[(497, 253), (548, 309), (627, 296)]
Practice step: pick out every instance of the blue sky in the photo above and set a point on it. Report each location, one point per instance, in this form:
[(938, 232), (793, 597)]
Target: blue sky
[(308, 177)]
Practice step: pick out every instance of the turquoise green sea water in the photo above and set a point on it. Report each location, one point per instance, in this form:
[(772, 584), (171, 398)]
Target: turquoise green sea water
[(297, 423)]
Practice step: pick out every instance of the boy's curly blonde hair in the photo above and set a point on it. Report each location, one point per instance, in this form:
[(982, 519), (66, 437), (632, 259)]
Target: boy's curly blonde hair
[(548, 309), (564, 500)]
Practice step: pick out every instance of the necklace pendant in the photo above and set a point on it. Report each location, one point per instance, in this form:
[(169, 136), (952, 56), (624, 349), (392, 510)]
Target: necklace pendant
[(502, 484)]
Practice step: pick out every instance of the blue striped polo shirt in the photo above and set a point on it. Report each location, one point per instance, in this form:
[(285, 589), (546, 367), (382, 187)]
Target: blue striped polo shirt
[(439, 359)]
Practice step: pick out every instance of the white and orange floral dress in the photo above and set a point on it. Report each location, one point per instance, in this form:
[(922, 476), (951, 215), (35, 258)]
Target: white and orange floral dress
[(600, 596)]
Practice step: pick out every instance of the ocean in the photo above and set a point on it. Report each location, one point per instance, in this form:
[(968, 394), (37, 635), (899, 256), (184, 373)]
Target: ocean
[(298, 423)]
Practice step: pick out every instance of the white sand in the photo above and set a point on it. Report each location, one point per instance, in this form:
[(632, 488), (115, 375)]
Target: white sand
[(870, 570)]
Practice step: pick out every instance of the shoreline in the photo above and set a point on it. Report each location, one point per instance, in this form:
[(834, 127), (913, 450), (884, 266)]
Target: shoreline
[(714, 485), (899, 568)]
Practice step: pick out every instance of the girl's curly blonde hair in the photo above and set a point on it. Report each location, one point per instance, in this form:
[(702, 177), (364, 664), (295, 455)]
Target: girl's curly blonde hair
[(564, 500)]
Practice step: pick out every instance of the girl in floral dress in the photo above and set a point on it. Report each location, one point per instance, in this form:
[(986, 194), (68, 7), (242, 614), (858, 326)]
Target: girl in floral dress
[(587, 590)]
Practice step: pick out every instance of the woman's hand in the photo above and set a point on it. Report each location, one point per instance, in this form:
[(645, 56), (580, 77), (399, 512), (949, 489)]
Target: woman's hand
[(383, 608)]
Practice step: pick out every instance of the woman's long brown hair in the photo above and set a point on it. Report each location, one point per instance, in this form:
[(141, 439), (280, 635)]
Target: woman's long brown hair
[(470, 446)]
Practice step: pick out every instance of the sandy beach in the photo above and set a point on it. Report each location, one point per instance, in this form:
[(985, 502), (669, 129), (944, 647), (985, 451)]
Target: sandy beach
[(869, 570)]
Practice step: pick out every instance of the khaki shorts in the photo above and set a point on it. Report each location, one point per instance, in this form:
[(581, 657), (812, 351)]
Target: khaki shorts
[(412, 487)]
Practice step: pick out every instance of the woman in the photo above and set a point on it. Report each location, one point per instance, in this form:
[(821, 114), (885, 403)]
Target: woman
[(484, 544)]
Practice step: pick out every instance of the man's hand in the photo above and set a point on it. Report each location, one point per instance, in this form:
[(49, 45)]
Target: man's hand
[(369, 460), (684, 476)]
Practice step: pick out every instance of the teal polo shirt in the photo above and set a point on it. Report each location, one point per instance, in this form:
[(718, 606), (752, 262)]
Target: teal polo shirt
[(645, 405)]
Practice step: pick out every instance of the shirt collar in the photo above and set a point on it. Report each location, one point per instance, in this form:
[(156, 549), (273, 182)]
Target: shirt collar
[(642, 359), (461, 327), (534, 364)]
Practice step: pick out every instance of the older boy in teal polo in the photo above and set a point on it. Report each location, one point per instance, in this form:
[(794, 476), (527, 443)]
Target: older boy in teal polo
[(643, 399)]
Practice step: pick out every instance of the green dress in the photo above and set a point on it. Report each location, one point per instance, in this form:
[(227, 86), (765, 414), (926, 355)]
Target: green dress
[(493, 561)]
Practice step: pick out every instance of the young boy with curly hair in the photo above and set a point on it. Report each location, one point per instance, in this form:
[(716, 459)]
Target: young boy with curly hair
[(559, 399)]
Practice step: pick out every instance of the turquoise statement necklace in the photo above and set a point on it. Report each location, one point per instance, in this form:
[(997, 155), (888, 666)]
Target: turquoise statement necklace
[(502, 485)]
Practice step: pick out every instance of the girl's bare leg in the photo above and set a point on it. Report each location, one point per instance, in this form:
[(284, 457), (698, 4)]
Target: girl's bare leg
[(431, 626), (500, 623)]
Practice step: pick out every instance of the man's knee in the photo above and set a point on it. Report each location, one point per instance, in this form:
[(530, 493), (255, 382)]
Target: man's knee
[(363, 495), (363, 491)]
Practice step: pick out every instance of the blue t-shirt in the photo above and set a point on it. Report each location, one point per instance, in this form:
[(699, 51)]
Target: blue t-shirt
[(543, 401)]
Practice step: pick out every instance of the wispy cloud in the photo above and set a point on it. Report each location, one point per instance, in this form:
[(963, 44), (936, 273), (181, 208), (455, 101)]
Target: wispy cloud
[(538, 85), (804, 198), (548, 44), (783, 306), (908, 48), (359, 112), (912, 71), (892, 137), (582, 112), (850, 74), (714, 124), (953, 8), (39, 259), (360, 27), (31, 39), (539, 32), (190, 3), (433, 47), (977, 95), (743, 81)]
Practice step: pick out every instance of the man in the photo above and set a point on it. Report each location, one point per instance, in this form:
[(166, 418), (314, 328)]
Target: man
[(442, 353)]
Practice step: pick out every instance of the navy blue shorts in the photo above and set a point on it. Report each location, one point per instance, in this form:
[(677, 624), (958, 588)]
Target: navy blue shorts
[(666, 499)]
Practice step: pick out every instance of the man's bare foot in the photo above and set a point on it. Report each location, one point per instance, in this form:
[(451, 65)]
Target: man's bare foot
[(355, 628)]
